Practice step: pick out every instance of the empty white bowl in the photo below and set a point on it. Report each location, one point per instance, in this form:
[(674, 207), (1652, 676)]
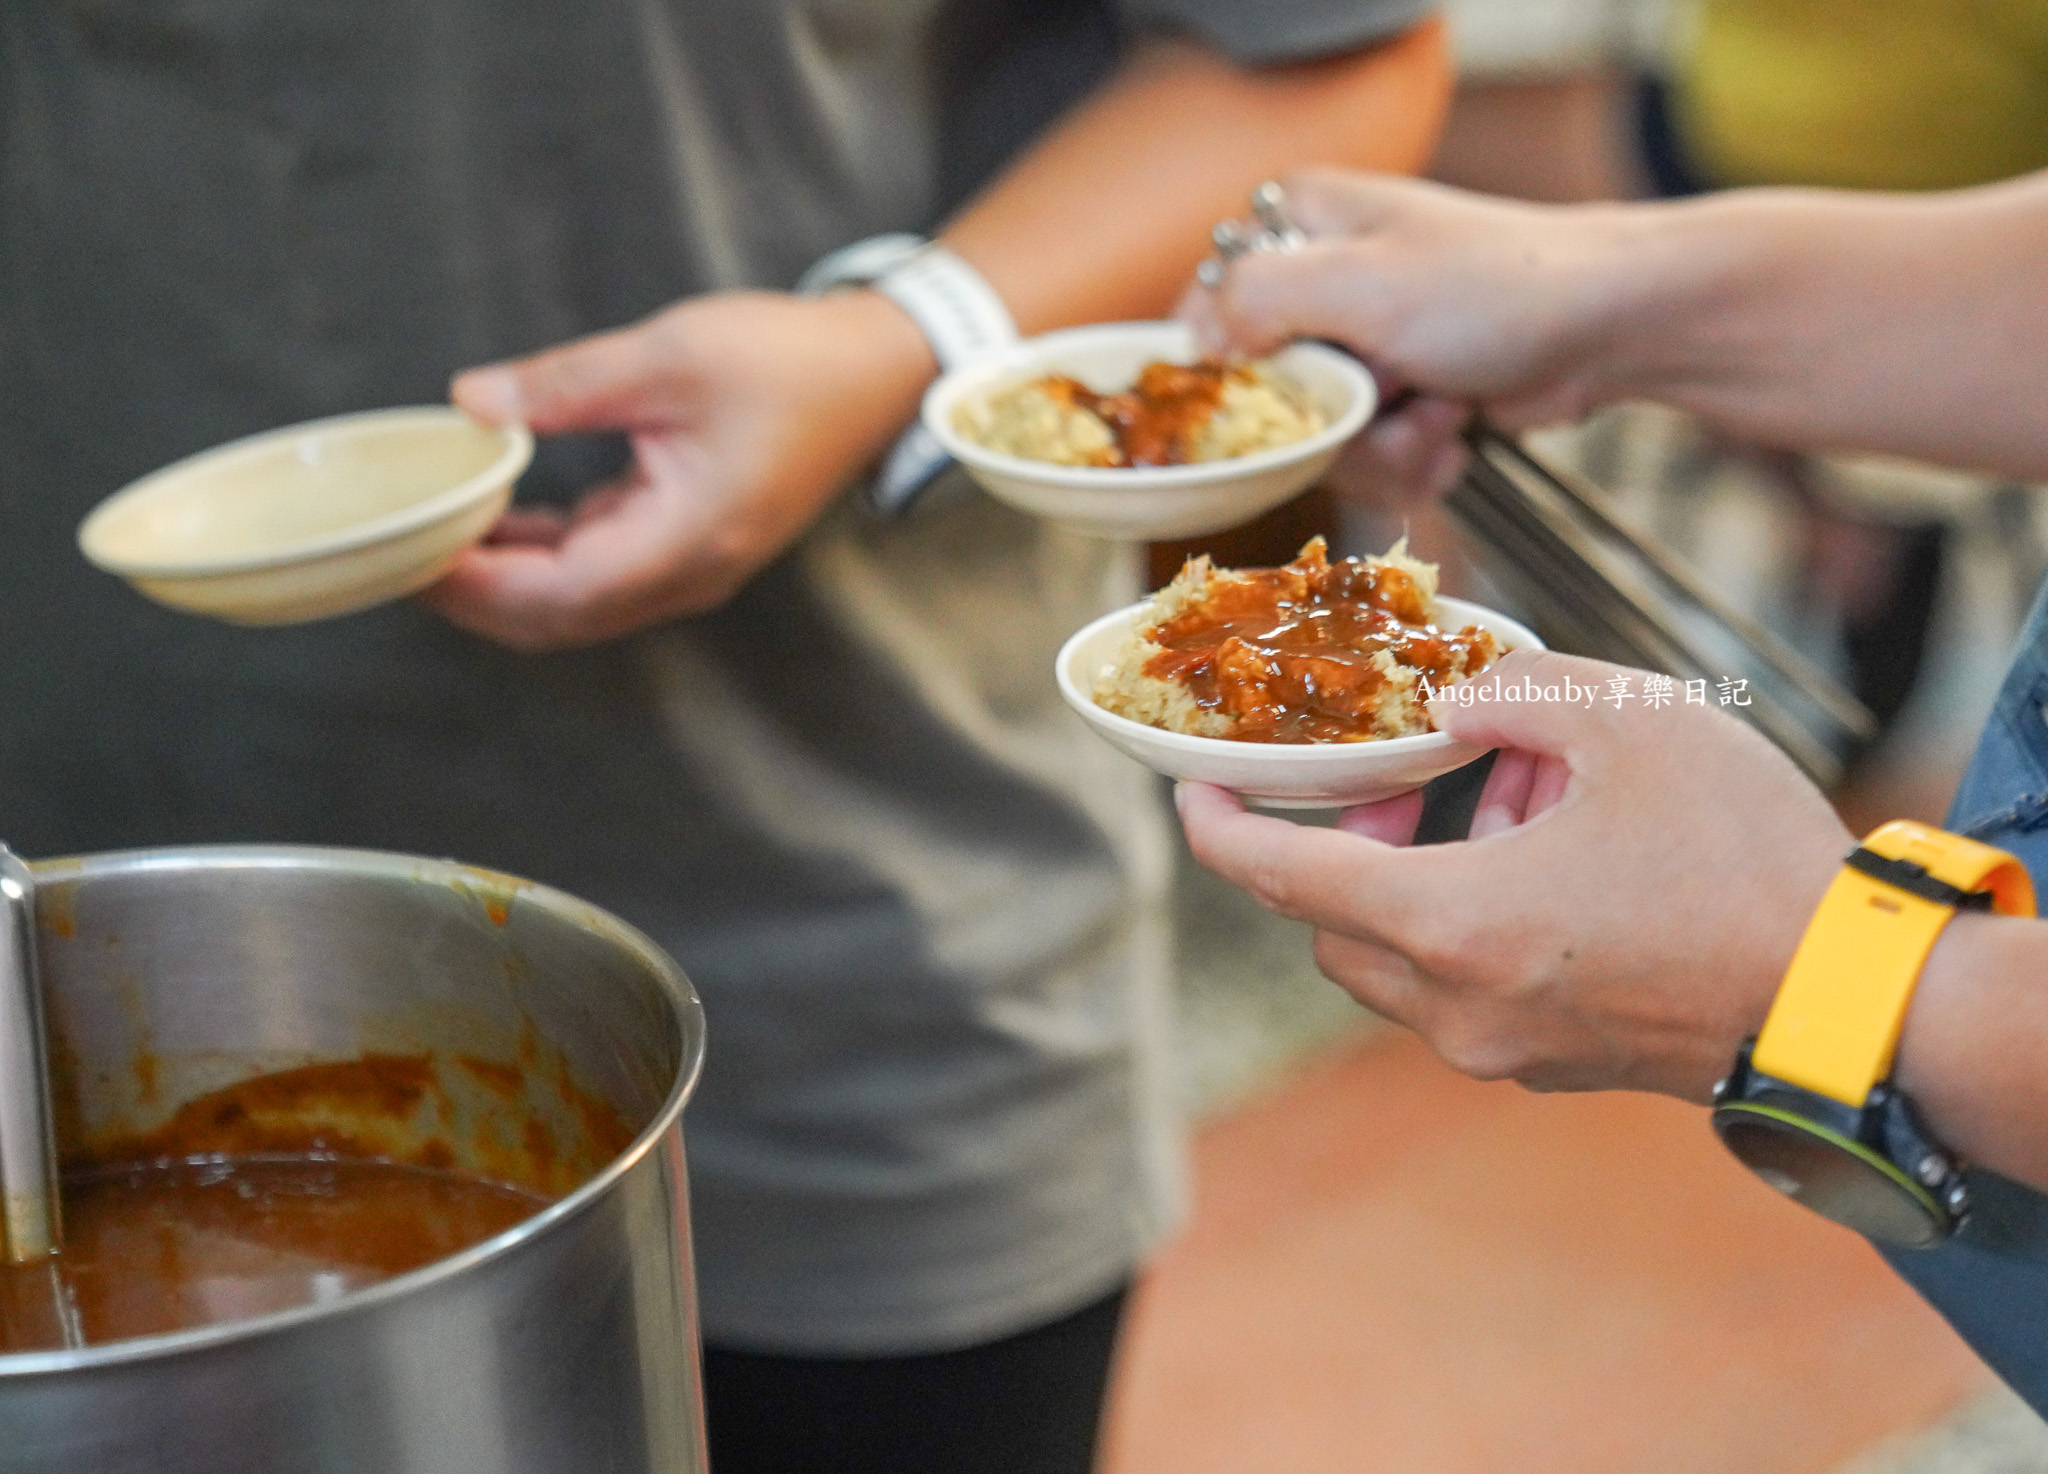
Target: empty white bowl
[(1148, 503), (1274, 775), (313, 520)]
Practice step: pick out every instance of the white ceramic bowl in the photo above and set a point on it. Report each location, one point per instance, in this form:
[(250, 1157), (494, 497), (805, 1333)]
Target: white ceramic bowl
[(313, 520), (1275, 775), (1148, 503)]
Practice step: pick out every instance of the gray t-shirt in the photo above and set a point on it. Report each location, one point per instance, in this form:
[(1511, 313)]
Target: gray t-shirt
[(921, 903)]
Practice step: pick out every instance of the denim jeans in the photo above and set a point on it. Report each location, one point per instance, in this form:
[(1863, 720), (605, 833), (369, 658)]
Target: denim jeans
[(1991, 1280)]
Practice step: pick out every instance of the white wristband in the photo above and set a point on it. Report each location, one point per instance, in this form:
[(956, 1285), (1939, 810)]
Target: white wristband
[(954, 307), (952, 304), (959, 312)]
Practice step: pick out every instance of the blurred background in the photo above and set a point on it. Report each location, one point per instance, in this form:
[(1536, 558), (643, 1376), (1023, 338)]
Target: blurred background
[(1394, 1269)]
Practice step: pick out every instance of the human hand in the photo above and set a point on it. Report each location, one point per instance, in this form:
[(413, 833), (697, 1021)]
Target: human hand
[(746, 412), (1632, 891), (1457, 301)]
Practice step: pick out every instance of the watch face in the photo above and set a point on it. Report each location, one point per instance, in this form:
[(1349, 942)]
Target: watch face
[(1836, 1177)]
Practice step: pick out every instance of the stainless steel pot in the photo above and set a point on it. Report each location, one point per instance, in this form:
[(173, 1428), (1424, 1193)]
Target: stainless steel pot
[(566, 1344)]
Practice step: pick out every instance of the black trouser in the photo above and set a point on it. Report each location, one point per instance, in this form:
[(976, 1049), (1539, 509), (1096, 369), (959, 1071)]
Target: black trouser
[(1027, 1404)]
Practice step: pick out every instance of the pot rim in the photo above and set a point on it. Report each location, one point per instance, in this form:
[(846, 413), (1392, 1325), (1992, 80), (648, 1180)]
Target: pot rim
[(417, 869)]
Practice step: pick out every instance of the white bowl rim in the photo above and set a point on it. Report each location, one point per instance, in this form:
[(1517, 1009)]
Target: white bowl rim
[(949, 388), (512, 460), (1312, 753)]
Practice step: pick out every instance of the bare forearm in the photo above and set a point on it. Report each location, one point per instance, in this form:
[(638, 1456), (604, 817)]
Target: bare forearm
[(1974, 1055), (1108, 215), (1911, 325), (749, 410)]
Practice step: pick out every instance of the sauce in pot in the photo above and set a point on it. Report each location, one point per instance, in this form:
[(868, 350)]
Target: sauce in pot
[(298, 1186), (168, 1245)]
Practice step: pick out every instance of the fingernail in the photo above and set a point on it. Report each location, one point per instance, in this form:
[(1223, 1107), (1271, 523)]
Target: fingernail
[(1180, 793), (492, 393)]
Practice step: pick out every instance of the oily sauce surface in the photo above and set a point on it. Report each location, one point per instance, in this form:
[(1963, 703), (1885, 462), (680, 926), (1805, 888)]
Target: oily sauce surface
[(1289, 651), (168, 1245), (1156, 418)]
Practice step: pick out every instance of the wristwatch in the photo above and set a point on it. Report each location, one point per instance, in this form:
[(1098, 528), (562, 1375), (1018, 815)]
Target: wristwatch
[(954, 307), (1810, 1106)]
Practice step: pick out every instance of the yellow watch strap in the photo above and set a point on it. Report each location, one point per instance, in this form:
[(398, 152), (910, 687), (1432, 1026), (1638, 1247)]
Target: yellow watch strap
[(1835, 1024)]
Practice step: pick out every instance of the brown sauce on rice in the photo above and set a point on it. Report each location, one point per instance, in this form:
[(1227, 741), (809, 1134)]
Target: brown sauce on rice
[(1156, 419), (1289, 653)]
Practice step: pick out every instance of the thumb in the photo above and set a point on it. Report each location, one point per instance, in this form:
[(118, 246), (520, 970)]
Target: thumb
[(1343, 881), (1326, 201), (604, 382), (1530, 701), (1323, 290)]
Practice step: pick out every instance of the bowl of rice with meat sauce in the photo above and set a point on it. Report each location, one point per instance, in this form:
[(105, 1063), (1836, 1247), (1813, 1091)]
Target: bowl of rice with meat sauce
[(1173, 414), (1124, 430), (1304, 686)]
